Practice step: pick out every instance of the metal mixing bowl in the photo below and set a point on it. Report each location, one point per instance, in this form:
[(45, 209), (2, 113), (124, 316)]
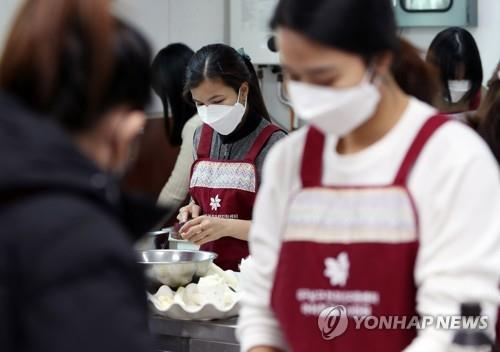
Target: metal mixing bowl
[(175, 267)]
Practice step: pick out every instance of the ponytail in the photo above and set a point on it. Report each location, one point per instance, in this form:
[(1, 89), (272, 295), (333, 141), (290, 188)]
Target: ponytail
[(415, 77), (255, 94)]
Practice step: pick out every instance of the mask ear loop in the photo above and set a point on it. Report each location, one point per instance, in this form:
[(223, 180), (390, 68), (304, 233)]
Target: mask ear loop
[(371, 76), (238, 100)]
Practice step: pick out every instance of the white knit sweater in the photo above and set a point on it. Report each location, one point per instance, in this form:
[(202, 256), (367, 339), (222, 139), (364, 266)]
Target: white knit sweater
[(456, 187)]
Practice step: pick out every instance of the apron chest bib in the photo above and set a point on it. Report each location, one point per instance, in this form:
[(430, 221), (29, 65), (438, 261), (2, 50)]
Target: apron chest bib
[(347, 253), (226, 189)]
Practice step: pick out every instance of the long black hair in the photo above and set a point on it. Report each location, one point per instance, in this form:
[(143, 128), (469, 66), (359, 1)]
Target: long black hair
[(363, 27), (168, 73), (73, 61), (488, 115), (220, 61), (452, 50)]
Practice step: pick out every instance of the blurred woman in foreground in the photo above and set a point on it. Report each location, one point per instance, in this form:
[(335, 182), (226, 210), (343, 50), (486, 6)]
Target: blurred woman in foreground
[(379, 208), (74, 82)]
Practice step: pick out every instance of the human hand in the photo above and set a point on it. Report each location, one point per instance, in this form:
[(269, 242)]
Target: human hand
[(192, 210), (204, 229)]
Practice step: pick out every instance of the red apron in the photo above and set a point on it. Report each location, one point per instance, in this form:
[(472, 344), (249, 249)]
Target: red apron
[(353, 246), (226, 189)]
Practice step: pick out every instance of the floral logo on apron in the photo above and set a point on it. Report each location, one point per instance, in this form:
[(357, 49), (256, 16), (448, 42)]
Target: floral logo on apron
[(337, 269), (215, 203)]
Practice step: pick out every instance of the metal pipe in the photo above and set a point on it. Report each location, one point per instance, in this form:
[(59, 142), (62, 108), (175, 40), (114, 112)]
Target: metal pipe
[(260, 76), (283, 99)]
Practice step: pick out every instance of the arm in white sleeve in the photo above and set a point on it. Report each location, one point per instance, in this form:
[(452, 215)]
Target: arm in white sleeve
[(458, 198), (176, 189), (257, 324)]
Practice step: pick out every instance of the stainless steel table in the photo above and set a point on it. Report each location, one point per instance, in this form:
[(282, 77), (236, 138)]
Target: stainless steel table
[(194, 336)]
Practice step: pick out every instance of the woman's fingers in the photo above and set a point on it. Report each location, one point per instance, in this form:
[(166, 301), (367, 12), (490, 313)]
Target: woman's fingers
[(183, 214), (188, 225), (195, 211), (180, 216), (204, 240), (205, 236), (192, 232), (198, 230), (195, 226), (200, 238), (192, 210)]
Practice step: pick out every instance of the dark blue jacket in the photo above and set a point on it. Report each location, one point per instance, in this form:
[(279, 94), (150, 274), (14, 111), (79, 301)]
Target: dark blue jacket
[(68, 277)]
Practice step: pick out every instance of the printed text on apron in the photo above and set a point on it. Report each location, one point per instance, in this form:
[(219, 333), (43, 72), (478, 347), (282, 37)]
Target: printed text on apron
[(348, 246)]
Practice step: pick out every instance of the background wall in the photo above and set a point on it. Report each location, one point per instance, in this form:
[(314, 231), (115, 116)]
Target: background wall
[(486, 35), (199, 22), (8, 10), (193, 22)]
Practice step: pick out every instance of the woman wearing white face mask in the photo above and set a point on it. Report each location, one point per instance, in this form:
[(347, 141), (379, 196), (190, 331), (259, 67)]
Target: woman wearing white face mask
[(379, 208), (230, 149), (455, 53)]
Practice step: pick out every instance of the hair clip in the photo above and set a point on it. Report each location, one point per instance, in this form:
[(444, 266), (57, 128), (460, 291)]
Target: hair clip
[(243, 54)]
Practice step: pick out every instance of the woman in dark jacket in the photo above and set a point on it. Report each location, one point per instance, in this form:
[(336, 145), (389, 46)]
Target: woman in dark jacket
[(73, 83)]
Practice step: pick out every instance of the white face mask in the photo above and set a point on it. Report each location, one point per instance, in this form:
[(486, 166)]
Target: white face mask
[(458, 89), (336, 111), (222, 118)]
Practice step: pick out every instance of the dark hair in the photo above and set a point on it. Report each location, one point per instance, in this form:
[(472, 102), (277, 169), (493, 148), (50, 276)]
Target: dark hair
[(488, 116), (413, 74), (73, 61), (363, 27), (220, 61), (454, 49), (168, 74)]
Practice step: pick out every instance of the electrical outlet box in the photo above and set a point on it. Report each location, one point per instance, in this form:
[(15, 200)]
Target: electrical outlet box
[(249, 29), (436, 13)]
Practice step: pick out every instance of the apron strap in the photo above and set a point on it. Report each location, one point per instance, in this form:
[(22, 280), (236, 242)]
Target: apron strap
[(312, 158), (427, 130), (205, 145), (261, 141)]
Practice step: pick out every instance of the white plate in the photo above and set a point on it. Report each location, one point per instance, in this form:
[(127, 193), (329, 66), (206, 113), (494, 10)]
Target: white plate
[(205, 312)]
